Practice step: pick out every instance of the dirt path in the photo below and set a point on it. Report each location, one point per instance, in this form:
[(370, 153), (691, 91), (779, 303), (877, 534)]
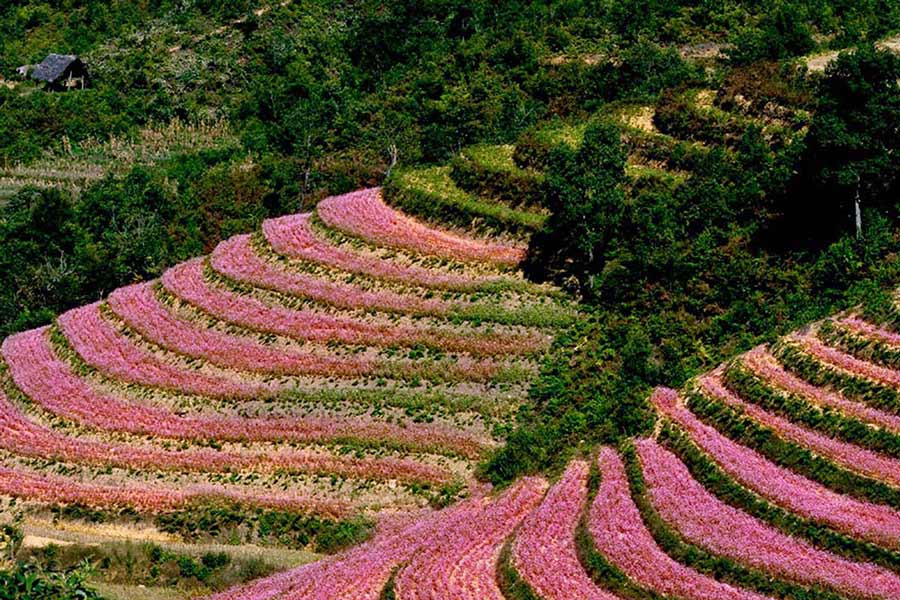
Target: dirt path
[(818, 62)]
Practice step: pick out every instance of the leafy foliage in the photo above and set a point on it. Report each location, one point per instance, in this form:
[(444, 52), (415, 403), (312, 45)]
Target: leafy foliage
[(853, 147), (26, 582)]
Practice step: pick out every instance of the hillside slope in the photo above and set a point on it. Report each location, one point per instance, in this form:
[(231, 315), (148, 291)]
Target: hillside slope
[(313, 377), (776, 475)]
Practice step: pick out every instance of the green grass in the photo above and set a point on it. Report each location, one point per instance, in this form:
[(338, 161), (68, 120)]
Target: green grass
[(431, 194), (490, 171)]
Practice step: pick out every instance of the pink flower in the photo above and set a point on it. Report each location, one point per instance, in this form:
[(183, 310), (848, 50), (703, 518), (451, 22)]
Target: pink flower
[(26, 438), (866, 329), (236, 258), (463, 532), (621, 536), (365, 215), (140, 308), (873, 522), (186, 281), (766, 366), (544, 552), (60, 490), (51, 384), (100, 345), (710, 523), (844, 361), (293, 236), (850, 456), (460, 563)]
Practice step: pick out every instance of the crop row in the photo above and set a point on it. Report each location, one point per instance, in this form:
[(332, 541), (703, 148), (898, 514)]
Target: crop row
[(862, 340), (798, 494), (99, 344), (460, 563), (708, 522), (141, 309), (362, 573), (187, 281), (846, 362), (27, 438), (51, 383), (544, 555), (744, 430), (816, 372), (849, 456), (822, 418), (764, 365), (727, 488), (293, 236), (619, 533), (238, 259), (61, 490), (364, 214)]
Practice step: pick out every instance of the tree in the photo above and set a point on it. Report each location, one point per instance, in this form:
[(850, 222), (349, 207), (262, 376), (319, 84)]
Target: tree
[(584, 194), (852, 158)]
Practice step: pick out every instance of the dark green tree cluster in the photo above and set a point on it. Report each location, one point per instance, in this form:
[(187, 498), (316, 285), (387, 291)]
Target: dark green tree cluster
[(57, 251), (584, 193), (679, 278), (851, 167)]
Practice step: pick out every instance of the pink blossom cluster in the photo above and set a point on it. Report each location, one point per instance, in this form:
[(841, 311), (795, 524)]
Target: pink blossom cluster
[(293, 236), (139, 306), (620, 535), (708, 522), (544, 552), (872, 522), (102, 346), (51, 383), (362, 572), (22, 436), (766, 366), (842, 360), (61, 490), (237, 259), (187, 282), (365, 215), (460, 563), (850, 456), (867, 329)]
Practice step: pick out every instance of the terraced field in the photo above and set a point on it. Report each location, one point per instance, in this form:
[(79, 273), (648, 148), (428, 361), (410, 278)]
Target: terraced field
[(353, 365), (350, 365), (774, 476)]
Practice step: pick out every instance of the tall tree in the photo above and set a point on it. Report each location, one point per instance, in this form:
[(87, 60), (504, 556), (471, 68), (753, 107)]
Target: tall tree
[(585, 196), (852, 158)]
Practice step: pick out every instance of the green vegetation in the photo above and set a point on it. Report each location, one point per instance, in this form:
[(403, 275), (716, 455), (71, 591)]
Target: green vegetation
[(432, 195), (715, 480), (27, 582), (678, 278), (489, 170), (742, 429), (850, 163), (149, 564), (720, 567), (268, 526)]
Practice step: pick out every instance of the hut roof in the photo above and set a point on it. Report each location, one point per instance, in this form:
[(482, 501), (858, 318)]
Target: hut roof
[(52, 67)]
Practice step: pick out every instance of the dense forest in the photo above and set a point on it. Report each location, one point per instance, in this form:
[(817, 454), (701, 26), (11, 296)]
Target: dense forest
[(772, 202)]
